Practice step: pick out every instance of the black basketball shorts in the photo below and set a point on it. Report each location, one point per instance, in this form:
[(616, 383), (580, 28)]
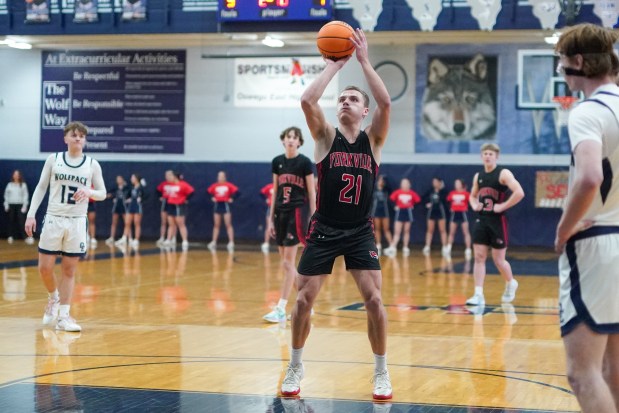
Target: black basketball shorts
[(325, 243), (288, 227), (491, 231)]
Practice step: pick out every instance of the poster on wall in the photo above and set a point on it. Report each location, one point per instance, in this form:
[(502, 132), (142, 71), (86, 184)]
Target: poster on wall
[(551, 188), (278, 82), (85, 11), (134, 10), (3, 7), (466, 95), (132, 101), (37, 11)]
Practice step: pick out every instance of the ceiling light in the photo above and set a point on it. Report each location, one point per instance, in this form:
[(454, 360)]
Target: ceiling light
[(553, 39), (271, 42)]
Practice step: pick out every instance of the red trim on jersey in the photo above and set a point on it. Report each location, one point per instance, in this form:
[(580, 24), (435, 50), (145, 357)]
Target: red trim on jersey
[(310, 230), (505, 234), (222, 191), (298, 218), (319, 173), (456, 205)]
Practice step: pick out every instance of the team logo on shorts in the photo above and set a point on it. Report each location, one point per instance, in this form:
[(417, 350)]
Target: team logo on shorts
[(499, 241), (374, 254)]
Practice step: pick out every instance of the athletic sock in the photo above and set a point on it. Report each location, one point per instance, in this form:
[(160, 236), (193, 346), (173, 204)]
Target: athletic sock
[(380, 362), (479, 290), (295, 356), (64, 310), (282, 304), (53, 295)]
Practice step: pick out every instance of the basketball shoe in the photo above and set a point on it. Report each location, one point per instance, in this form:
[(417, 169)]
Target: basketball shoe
[(467, 254), (277, 315), (426, 250), (51, 310), (67, 324), (212, 246), (265, 247), (390, 252), (382, 385), (406, 251), (476, 299), (291, 385), (510, 291), (230, 247)]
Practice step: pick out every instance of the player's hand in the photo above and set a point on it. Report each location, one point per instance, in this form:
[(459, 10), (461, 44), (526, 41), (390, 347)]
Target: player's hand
[(477, 207), (24, 209), (428, 205), (339, 63), (31, 226), (82, 195), (563, 236), (271, 229), (361, 45), (213, 199), (498, 208)]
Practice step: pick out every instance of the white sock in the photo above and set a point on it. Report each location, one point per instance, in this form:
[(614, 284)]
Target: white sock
[(380, 362), (53, 295), (479, 290), (64, 310), (295, 356), (282, 304)]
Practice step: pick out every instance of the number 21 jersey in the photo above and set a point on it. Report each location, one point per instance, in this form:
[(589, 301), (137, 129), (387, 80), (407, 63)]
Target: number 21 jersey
[(65, 180), (346, 179)]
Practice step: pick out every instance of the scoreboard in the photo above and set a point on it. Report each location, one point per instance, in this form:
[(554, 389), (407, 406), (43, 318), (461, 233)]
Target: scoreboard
[(274, 10)]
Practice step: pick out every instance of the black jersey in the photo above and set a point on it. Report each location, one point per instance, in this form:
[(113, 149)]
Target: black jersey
[(291, 173), (491, 191), (346, 179)]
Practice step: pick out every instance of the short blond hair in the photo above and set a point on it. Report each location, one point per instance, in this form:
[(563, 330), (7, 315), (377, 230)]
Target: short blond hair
[(490, 147)]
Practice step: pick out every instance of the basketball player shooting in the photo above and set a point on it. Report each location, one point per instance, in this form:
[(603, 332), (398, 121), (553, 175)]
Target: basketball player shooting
[(347, 160)]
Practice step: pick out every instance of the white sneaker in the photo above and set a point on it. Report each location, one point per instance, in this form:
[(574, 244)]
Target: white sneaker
[(382, 385), (468, 254), (134, 243), (168, 243), (406, 251), (10, 240), (51, 310), (291, 385), (510, 291), (185, 245), (160, 242), (446, 251), (379, 249), (265, 247), (29, 241), (109, 241), (426, 250), (390, 252), (476, 299), (93, 243), (67, 324), (230, 247), (212, 246), (121, 242), (277, 315)]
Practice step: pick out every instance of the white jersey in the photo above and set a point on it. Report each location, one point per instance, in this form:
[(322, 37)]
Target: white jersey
[(64, 181), (597, 118)]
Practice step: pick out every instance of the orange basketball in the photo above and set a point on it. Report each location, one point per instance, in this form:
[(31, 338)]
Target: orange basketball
[(334, 40)]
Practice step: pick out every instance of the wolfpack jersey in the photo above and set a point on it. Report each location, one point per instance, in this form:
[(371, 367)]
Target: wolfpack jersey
[(596, 119), (346, 179), (65, 180), (491, 191), (291, 173)]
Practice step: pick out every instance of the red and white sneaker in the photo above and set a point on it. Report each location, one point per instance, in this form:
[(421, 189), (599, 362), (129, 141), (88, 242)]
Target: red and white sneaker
[(51, 310), (382, 385), (68, 324), (291, 385)]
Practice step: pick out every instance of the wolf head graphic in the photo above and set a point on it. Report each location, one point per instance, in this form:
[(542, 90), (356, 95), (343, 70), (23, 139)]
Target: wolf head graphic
[(457, 103)]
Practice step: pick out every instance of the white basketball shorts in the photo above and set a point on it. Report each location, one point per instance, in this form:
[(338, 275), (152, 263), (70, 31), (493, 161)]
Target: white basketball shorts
[(64, 236)]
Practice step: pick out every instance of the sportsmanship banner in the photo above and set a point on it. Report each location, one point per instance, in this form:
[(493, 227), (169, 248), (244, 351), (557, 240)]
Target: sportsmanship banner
[(131, 101), (550, 188), (278, 82)]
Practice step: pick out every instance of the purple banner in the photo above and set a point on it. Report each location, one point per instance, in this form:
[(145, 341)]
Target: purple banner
[(133, 101)]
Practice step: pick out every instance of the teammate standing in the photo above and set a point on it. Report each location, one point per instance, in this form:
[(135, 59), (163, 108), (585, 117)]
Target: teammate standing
[(293, 186), (459, 205), (222, 193), (405, 199), (588, 232), (347, 162), (179, 193), (119, 193), (380, 212), (164, 189), (69, 176), (267, 192), (489, 198), (435, 200), (133, 215)]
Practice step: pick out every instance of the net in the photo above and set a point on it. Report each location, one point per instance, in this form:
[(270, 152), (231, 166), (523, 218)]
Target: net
[(564, 106)]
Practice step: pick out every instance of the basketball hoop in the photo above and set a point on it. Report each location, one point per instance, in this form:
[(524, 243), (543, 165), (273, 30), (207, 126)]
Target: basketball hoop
[(564, 107)]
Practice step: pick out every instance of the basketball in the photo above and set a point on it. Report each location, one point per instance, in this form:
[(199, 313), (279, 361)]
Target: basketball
[(334, 40)]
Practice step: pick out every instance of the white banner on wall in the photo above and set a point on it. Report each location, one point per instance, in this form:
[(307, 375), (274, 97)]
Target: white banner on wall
[(278, 82)]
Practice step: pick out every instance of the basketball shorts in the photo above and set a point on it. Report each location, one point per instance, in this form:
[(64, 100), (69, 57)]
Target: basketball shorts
[(491, 231), (176, 210), (589, 281), (325, 243), (436, 214), (64, 236), (288, 227), (458, 217), (92, 207), (221, 208), (403, 215), (119, 208), (381, 211), (135, 208), (163, 205)]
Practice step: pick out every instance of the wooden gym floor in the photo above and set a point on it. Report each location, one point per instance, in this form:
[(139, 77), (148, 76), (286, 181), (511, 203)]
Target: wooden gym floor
[(172, 331)]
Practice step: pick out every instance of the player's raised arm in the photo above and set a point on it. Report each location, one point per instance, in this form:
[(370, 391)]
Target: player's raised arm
[(378, 129), (320, 129)]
